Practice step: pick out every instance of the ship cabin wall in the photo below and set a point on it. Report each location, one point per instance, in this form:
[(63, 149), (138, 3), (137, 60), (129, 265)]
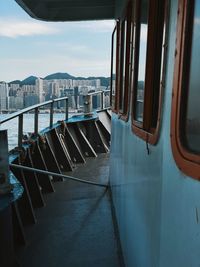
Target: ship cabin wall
[(157, 205)]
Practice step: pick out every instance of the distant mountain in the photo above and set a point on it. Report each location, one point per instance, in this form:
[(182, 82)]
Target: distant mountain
[(59, 75), (105, 81), (29, 81), (15, 82)]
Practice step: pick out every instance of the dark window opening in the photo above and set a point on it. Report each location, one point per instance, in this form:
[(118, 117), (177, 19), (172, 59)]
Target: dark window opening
[(191, 107), (142, 54), (185, 115), (148, 68)]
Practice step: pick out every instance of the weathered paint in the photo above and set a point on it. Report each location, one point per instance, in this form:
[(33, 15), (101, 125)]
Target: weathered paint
[(157, 206)]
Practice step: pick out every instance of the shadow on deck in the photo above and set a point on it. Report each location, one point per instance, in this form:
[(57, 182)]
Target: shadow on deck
[(77, 226)]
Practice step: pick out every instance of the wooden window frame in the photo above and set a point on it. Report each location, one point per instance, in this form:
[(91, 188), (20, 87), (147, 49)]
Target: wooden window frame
[(115, 108), (187, 162), (154, 69), (123, 113), (112, 68)]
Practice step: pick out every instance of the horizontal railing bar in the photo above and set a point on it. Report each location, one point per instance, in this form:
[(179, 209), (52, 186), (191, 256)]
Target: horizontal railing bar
[(25, 110), (56, 174), (98, 92), (59, 99)]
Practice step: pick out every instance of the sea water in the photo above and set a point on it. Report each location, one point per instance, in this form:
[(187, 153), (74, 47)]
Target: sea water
[(28, 125)]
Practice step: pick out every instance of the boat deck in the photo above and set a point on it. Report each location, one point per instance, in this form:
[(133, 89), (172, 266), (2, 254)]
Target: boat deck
[(77, 227)]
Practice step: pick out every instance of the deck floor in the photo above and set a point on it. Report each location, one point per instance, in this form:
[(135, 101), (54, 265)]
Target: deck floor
[(76, 227)]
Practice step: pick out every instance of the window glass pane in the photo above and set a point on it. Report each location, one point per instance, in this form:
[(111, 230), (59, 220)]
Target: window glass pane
[(142, 61), (193, 106), (114, 67), (123, 64)]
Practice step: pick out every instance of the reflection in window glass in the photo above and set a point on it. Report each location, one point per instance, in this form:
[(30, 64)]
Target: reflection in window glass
[(114, 43), (142, 61), (123, 64), (193, 107)]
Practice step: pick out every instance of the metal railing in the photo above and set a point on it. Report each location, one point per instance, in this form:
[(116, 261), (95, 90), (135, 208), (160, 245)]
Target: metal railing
[(36, 107), (20, 114), (102, 94), (31, 169)]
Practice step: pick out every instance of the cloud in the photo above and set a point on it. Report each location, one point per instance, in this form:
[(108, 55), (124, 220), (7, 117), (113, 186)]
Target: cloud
[(13, 28), (72, 47), (105, 26), (22, 68)]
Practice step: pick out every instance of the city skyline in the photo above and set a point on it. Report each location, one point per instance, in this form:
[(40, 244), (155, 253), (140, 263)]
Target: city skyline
[(16, 96), (31, 47), (56, 73)]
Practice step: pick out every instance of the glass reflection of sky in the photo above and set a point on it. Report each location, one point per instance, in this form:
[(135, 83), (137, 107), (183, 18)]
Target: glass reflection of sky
[(143, 48)]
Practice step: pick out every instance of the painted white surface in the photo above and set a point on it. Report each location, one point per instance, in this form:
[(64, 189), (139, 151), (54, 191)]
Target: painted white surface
[(157, 206)]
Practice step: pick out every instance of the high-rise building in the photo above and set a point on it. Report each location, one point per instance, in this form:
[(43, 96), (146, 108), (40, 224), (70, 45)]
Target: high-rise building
[(14, 86), (30, 100), (29, 89), (3, 96), (54, 90), (39, 89), (19, 102), (11, 102)]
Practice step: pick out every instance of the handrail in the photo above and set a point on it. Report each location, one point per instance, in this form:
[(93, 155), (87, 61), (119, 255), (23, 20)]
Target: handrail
[(36, 107), (25, 110), (98, 92), (19, 114), (102, 93), (30, 169)]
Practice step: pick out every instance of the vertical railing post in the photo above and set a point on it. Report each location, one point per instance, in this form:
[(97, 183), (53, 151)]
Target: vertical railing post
[(66, 109), (51, 113), (20, 130), (36, 121), (111, 101), (5, 186), (102, 100), (87, 105)]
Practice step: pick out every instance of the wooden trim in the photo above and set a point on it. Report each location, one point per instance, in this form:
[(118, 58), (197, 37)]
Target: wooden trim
[(186, 161), (124, 113), (136, 62), (111, 69), (115, 110), (123, 50), (154, 72), (153, 64), (122, 66)]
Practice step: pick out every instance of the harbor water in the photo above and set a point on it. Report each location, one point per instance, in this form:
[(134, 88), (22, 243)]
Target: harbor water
[(28, 125)]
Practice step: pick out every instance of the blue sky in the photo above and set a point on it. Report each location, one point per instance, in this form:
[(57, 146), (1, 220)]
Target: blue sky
[(31, 47)]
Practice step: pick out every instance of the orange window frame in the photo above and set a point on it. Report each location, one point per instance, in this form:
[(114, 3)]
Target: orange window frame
[(115, 107), (123, 63), (148, 129), (188, 162), (113, 70)]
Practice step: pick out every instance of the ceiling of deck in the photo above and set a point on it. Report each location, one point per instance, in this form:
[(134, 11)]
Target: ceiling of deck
[(69, 10)]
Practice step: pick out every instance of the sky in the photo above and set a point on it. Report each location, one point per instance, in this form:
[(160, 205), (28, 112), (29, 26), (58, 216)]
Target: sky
[(32, 47)]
